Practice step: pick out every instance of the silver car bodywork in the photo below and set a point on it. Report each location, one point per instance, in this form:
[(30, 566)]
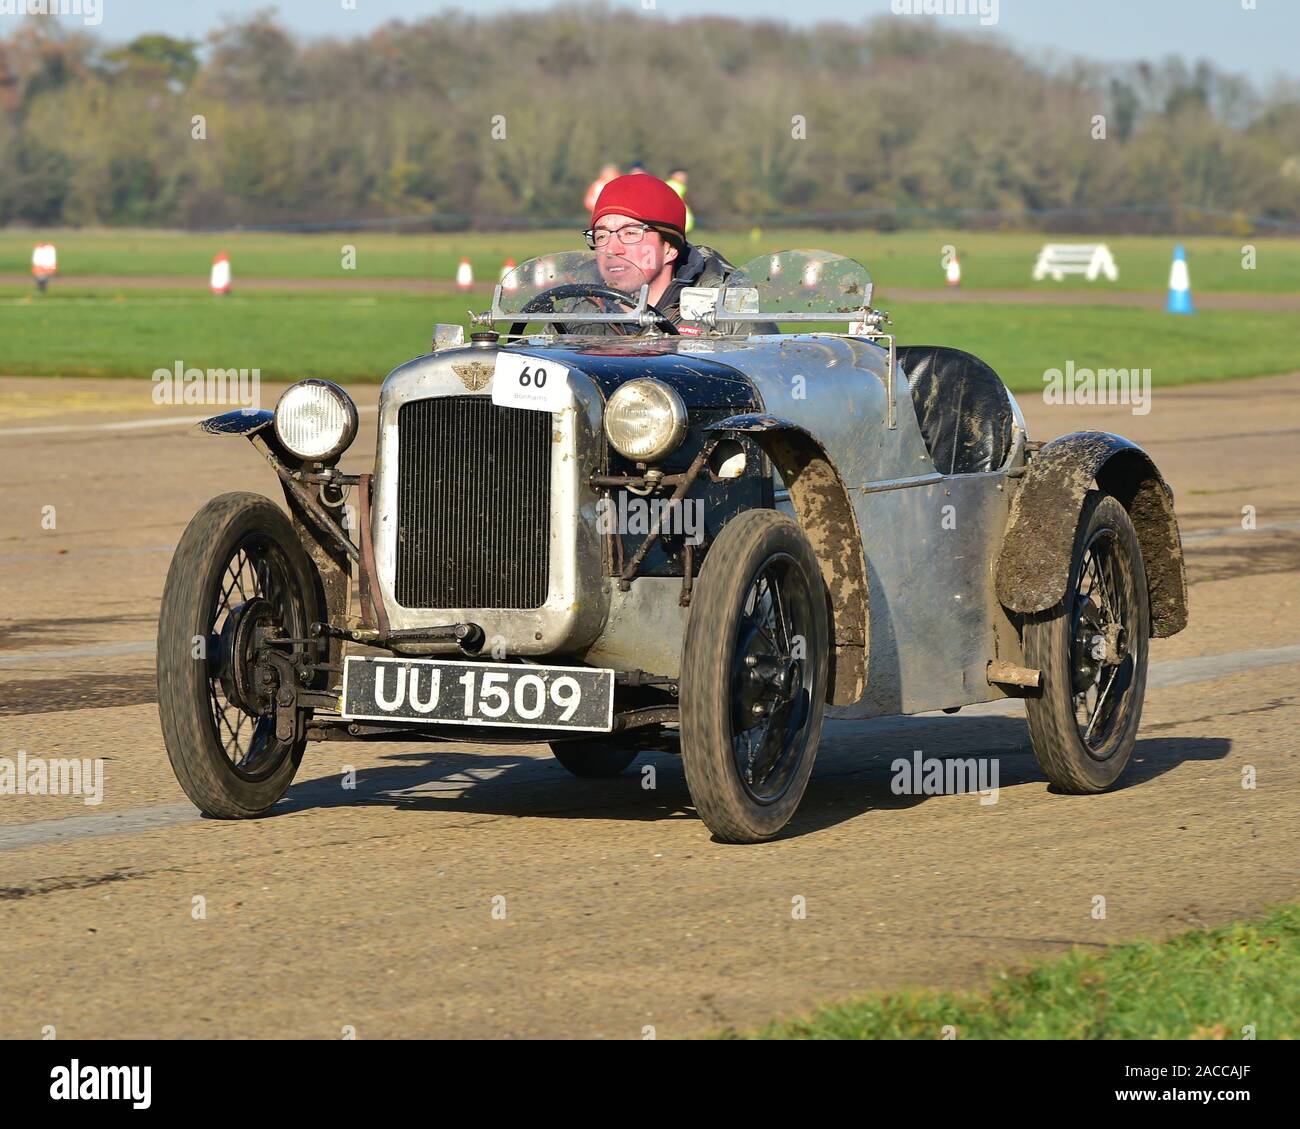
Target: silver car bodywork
[(925, 543), (599, 498)]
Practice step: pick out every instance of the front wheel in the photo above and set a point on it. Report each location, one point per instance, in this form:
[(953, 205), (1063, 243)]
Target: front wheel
[(1092, 651), (753, 681), (239, 576)]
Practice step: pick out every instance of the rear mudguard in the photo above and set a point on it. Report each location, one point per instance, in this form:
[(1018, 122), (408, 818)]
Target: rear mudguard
[(1034, 567)]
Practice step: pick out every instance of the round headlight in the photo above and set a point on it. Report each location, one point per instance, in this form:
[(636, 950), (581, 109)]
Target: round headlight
[(645, 420), (316, 420)]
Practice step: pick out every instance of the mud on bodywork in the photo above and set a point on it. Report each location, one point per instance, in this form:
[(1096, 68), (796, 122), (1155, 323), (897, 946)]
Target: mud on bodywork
[(826, 516), (1034, 567)]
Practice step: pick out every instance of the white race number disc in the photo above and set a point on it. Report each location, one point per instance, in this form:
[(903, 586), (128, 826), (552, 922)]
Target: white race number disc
[(526, 382)]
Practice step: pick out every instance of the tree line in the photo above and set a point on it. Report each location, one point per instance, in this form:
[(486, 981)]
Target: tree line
[(461, 121)]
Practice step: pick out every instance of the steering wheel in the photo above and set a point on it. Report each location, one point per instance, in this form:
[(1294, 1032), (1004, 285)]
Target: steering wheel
[(544, 303)]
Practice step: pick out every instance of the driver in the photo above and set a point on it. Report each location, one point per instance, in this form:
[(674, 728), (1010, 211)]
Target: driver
[(638, 232)]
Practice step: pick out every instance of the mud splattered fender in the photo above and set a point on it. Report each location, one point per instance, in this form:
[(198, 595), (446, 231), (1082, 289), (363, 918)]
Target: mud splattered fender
[(825, 514), (1035, 562)]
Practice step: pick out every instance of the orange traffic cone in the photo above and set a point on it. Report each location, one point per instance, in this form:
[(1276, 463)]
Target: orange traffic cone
[(509, 277), (219, 279), (954, 271), (464, 275), (45, 264)]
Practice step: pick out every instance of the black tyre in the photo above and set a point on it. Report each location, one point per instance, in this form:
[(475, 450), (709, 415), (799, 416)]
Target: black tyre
[(238, 548), (1092, 651), (753, 680), (593, 760)]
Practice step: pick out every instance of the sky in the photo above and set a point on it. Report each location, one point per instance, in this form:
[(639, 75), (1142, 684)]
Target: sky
[(1257, 38)]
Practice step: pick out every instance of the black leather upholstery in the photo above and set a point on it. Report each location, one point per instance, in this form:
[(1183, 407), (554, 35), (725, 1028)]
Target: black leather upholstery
[(962, 407)]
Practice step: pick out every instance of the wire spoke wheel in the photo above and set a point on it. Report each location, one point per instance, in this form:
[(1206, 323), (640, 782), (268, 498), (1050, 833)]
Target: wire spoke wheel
[(1103, 626), (769, 679), (240, 575), (754, 671), (257, 569), (1092, 651)]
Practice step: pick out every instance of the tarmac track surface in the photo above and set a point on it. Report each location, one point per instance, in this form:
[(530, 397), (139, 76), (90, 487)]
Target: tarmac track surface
[(373, 907)]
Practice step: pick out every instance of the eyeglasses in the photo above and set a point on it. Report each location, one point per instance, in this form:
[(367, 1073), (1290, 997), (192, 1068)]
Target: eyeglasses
[(628, 234)]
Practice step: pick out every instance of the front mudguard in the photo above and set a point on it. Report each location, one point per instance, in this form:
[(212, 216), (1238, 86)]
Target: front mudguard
[(824, 509), (322, 536), (244, 421), (1034, 566)]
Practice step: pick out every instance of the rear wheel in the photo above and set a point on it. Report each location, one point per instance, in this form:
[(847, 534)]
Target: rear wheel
[(1092, 651), (593, 760), (753, 682), (239, 574)]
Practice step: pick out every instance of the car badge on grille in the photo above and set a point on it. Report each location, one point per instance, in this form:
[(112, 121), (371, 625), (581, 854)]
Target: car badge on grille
[(473, 375)]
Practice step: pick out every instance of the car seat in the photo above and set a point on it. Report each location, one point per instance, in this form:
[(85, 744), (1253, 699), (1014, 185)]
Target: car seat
[(962, 406)]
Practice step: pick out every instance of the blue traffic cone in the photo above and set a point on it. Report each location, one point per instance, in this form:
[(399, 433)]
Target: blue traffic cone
[(1180, 285)]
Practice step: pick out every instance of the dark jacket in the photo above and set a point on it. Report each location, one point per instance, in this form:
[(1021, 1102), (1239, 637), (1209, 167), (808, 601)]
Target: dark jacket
[(700, 266)]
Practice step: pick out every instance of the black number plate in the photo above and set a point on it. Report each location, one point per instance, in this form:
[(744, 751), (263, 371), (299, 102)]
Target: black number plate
[(465, 693)]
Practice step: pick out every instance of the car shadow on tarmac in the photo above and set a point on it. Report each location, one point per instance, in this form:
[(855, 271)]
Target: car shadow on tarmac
[(64, 630), (855, 774)]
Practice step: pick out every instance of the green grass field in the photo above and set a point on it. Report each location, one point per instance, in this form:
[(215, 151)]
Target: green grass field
[(361, 337), (1206, 984), (79, 329), (899, 259)]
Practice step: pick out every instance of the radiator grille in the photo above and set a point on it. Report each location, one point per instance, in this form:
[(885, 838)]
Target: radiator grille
[(473, 504)]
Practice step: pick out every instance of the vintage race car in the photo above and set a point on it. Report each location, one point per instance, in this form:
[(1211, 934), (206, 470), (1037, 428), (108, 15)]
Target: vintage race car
[(613, 532)]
